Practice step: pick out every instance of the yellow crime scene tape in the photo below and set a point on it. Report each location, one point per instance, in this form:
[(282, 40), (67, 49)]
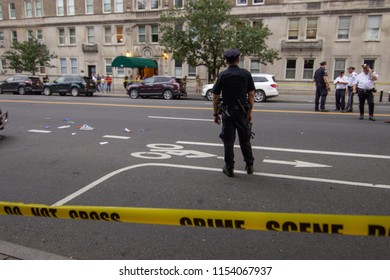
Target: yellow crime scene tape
[(282, 222)]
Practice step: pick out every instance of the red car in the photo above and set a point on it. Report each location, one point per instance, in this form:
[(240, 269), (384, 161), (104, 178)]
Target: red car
[(165, 86)]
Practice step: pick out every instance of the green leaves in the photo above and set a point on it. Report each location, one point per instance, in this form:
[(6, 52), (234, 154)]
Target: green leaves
[(28, 56), (204, 29)]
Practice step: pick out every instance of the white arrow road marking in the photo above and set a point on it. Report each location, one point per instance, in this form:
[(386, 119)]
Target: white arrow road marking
[(296, 163), (290, 150), (279, 176)]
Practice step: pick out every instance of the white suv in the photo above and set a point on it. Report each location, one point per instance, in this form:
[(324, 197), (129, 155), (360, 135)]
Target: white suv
[(265, 84)]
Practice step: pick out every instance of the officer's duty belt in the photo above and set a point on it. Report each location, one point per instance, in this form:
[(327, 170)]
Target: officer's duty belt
[(365, 90)]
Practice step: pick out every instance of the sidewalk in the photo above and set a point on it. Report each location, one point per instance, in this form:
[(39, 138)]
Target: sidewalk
[(11, 251)]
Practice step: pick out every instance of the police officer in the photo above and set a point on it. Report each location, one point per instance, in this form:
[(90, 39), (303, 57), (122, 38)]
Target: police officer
[(322, 87), (238, 93), (364, 86)]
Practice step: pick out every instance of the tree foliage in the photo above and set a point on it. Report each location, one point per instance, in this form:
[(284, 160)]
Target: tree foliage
[(199, 33), (28, 56)]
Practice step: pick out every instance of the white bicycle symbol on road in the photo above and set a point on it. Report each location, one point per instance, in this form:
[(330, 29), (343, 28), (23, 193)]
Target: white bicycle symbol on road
[(166, 151)]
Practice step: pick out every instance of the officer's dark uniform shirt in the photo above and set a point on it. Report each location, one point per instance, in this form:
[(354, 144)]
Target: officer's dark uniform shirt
[(234, 83), (319, 77)]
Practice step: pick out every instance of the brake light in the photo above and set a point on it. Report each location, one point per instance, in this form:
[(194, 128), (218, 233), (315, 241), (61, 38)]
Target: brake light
[(274, 85)]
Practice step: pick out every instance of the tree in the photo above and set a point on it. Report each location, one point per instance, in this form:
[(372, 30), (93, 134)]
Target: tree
[(199, 33), (28, 56)]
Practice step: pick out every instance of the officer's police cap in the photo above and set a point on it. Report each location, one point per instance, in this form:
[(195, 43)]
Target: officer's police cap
[(230, 54)]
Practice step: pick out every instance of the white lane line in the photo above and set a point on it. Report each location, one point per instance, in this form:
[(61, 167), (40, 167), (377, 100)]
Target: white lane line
[(291, 150), (180, 119), (39, 131), (279, 176), (116, 137)]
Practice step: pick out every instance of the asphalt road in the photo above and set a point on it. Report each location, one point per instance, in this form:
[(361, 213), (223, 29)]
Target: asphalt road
[(49, 168)]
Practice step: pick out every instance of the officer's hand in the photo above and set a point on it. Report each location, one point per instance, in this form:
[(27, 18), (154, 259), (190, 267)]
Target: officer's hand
[(217, 119)]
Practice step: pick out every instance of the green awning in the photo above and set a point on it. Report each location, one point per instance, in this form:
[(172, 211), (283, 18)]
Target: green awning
[(133, 62)]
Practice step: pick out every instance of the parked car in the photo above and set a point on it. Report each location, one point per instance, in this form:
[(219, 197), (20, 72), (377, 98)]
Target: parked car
[(22, 84), (3, 119), (165, 86), (74, 85), (265, 84)]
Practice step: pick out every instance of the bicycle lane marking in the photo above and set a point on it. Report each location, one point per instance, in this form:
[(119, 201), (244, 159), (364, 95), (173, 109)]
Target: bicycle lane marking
[(278, 176)]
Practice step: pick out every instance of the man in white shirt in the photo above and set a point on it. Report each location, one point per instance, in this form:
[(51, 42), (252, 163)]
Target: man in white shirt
[(363, 86), (341, 83), (351, 78)]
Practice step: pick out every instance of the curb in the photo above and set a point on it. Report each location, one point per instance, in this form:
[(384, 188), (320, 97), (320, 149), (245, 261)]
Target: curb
[(11, 251)]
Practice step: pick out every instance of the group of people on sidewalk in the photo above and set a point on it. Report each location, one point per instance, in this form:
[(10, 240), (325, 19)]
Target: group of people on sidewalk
[(103, 83), (362, 84)]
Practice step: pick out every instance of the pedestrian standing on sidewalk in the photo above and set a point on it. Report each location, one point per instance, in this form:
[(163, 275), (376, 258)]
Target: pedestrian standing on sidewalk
[(364, 86), (351, 79), (321, 80), (103, 84), (341, 83), (198, 85), (108, 82), (98, 83)]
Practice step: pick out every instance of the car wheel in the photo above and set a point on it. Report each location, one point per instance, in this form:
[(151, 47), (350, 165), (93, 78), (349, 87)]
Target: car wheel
[(22, 91), (47, 91), (167, 94), (134, 94), (75, 92), (209, 95), (260, 96)]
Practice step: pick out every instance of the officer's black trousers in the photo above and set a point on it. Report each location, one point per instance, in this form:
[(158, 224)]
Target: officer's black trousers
[(236, 121), (363, 96)]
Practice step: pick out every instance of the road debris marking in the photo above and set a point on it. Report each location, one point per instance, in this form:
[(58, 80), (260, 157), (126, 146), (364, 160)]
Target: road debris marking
[(360, 225)]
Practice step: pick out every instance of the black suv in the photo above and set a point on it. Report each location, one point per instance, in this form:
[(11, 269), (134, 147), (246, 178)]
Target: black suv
[(22, 84), (165, 86), (70, 84)]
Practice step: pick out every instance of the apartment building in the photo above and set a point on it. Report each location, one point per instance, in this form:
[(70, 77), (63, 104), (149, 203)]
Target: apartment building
[(87, 35)]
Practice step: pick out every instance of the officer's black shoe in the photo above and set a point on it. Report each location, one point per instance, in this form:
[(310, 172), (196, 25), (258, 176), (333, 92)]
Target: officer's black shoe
[(361, 117), (228, 172), (249, 168), (372, 119)]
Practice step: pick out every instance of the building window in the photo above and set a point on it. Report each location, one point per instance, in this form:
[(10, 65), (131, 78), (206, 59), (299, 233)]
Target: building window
[(311, 28), (60, 8), (255, 66), (121, 71), (107, 6), (118, 6), (14, 36), (293, 28), (1, 38), (12, 11), (308, 69), (90, 35), (241, 2), (141, 4), (119, 34), (178, 68), (154, 33), (89, 6), (291, 67), (370, 62), (107, 63), (343, 31), (373, 26), (339, 65), (141, 34), (107, 35), (1, 11), (71, 11), (191, 71), (72, 36), (154, 4), (40, 35), (29, 9), (38, 8), (178, 3), (258, 2), (73, 66), (30, 35), (63, 66), (61, 36)]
